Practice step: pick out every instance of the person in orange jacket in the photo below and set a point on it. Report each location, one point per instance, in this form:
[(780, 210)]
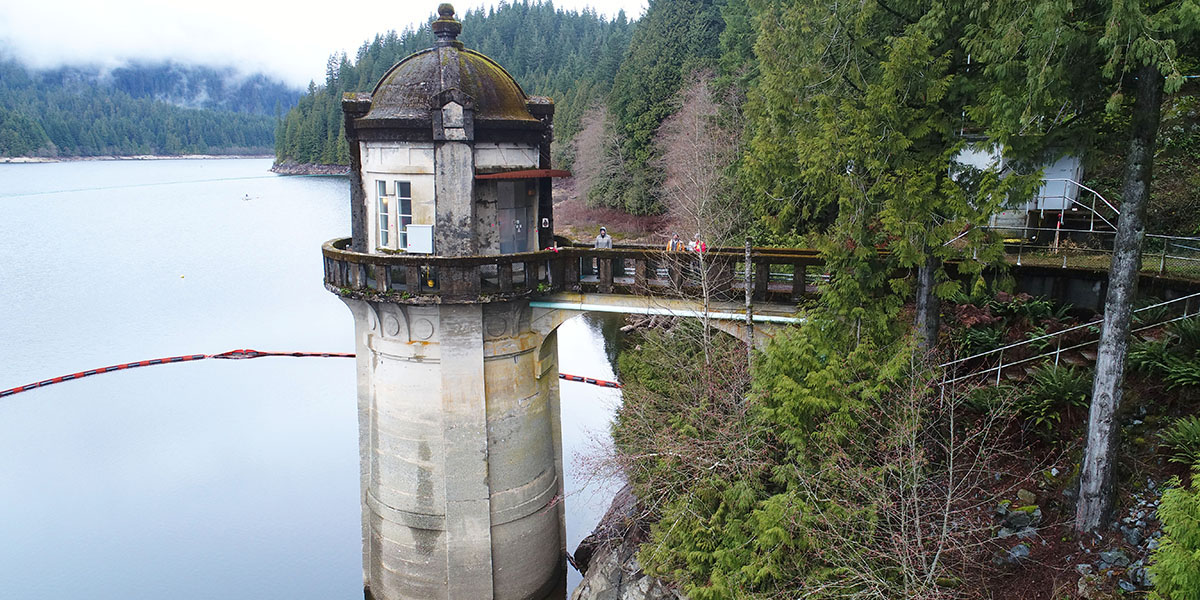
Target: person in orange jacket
[(676, 244)]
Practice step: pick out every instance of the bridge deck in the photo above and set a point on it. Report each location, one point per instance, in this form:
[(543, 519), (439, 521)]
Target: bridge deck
[(777, 276), (640, 278), (658, 305)]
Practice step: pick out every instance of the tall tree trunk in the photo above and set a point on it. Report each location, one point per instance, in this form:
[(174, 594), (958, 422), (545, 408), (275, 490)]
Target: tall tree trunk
[(928, 307), (1095, 484)]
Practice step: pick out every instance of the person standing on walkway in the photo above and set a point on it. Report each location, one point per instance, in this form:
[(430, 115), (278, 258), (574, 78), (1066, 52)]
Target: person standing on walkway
[(676, 244), (603, 240)]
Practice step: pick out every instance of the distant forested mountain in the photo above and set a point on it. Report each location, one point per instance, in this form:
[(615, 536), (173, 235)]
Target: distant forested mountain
[(204, 87), (162, 108), (572, 57)]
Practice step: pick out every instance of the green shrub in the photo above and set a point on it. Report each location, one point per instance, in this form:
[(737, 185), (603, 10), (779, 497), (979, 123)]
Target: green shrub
[(1181, 372), (1174, 357), (1034, 309), (1052, 390), (1067, 385), (1149, 356), (978, 340), (1176, 561), (989, 398), (1042, 345), (1183, 436), (1040, 413), (1149, 316), (1186, 334)]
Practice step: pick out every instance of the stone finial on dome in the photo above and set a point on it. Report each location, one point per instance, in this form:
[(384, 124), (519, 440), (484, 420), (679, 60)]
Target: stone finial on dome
[(446, 28)]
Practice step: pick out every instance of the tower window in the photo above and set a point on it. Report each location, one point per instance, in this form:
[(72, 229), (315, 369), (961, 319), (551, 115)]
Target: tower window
[(384, 214), (404, 211)]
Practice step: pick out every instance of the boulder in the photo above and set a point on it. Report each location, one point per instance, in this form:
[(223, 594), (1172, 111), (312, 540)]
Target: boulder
[(608, 558), (1024, 516), (1026, 496), (1014, 555), (1114, 558)]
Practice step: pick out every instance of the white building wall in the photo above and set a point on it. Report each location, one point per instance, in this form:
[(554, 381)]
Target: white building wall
[(505, 156), (1057, 193)]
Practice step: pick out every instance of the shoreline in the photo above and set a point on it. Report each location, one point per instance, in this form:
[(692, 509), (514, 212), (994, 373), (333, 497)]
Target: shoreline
[(305, 168), (42, 160), (293, 168)]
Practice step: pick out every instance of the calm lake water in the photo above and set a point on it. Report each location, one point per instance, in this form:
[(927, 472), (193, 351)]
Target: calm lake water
[(205, 480)]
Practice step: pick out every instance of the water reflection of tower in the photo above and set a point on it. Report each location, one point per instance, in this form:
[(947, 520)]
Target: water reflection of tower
[(459, 434)]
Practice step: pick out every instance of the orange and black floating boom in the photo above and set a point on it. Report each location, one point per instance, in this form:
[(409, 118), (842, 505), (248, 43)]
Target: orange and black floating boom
[(581, 379), (120, 367), (241, 353)]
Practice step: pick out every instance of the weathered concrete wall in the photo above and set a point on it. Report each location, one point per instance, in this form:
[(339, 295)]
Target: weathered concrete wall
[(1083, 293), (523, 458), (398, 157), (454, 192), (494, 156), (487, 220), (461, 452)]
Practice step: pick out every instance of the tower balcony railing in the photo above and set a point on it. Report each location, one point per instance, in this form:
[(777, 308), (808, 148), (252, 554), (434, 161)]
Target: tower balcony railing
[(776, 274)]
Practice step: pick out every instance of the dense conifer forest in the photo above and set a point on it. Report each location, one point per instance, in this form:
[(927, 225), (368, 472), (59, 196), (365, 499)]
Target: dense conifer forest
[(164, 108), (570, 56), (834, 464)]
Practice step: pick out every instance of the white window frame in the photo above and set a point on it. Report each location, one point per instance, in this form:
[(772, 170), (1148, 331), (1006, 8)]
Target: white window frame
[(383, 215), (403, 191)]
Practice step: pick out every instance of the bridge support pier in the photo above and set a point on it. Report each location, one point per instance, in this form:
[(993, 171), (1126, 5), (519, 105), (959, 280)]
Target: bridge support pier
[(461, 451)]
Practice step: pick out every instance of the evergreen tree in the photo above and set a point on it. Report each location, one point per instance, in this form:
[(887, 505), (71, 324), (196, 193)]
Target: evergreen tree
[(569, 56), (1051, 67), (855, 121), (673, 39), (73, 112)]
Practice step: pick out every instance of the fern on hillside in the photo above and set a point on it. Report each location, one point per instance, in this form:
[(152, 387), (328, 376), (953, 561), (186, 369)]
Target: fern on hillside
[(1183, 436)]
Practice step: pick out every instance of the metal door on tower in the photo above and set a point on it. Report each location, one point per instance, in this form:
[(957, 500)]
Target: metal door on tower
[(514, 209)]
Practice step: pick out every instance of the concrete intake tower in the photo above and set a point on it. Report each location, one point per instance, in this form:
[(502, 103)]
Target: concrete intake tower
[(458, 405)]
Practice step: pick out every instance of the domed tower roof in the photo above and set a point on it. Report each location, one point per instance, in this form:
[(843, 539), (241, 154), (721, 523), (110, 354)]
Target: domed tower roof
[(423, 82)]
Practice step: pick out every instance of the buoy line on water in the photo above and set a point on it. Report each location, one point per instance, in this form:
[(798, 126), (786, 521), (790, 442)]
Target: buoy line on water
[(241, 353)]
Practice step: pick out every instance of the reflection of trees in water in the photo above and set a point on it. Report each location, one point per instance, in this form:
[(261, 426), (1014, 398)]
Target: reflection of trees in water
[(609, 326)]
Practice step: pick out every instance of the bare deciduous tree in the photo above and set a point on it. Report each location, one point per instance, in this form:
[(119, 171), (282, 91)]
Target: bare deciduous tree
[(930, 484), (697, 145), (597, 151)]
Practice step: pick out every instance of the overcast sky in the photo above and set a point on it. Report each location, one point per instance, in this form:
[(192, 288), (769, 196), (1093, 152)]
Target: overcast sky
[(288, 39)]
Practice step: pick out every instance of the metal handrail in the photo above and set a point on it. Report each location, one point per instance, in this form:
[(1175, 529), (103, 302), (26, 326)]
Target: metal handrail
[(1172, 238), (1094, 192), (1058, 334), (1057, 351)]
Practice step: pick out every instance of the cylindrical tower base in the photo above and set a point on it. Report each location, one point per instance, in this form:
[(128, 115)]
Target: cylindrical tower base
[(462, 484)]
